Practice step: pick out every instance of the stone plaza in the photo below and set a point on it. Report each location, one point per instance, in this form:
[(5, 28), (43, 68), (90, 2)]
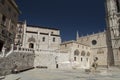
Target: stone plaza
[(66, 74)]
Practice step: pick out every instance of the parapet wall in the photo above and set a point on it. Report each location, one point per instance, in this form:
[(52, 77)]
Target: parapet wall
[(23, 60)]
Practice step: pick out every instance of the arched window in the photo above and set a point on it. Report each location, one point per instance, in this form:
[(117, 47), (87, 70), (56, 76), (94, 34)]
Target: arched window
[(76, 52), (88, 54), (83, 53), (31, 45)]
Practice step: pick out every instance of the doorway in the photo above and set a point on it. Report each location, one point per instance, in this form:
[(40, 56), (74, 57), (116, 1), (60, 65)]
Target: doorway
[(31, 45)]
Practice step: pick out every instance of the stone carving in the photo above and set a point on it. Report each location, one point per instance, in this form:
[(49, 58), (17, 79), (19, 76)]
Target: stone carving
[(95, 63), (100, 51), (32, 39)]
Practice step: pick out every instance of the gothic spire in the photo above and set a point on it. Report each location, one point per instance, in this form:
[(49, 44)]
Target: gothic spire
[(77, 35)]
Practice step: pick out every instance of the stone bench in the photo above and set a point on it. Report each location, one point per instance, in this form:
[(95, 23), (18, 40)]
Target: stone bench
[(45, 67), (21, 69)]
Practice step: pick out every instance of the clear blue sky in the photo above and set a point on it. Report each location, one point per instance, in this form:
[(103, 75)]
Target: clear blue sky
[(85, 16)]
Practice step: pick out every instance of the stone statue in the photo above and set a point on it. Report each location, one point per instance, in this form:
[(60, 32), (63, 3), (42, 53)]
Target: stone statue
[(95, 64)]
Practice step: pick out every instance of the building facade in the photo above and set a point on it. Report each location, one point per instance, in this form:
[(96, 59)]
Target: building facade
[(98, 46), (37, 37), (44, 41), (80, 55), (9, 13)]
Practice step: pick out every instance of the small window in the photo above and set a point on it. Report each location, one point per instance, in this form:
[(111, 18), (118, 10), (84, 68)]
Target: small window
[(53, 39), (74, 58), (51, 32), (3, 19), (81, 59), (43, 39), (1, 45)]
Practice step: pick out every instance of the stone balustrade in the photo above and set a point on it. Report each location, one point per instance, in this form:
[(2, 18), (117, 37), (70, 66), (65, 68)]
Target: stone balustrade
[(24, 50)]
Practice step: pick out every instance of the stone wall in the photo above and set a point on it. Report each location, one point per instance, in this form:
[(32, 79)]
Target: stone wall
[(47, 60), (50, 60), (23, 60), (63, 61)]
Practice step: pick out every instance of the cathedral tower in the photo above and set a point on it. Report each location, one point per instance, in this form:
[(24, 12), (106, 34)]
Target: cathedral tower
[(113, 31)]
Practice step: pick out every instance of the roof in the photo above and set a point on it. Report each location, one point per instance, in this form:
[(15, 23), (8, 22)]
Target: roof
[(72, 41), (37, 26), (13, 3)]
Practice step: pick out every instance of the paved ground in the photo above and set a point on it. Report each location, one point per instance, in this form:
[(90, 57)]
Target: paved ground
[(57, 74)]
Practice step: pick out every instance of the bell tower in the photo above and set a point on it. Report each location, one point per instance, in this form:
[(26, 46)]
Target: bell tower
[(113, 31)]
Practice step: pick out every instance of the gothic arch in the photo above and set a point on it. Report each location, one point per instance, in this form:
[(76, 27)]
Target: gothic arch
[(88, 53), (76, 55), (76, 52), (83, 53)]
